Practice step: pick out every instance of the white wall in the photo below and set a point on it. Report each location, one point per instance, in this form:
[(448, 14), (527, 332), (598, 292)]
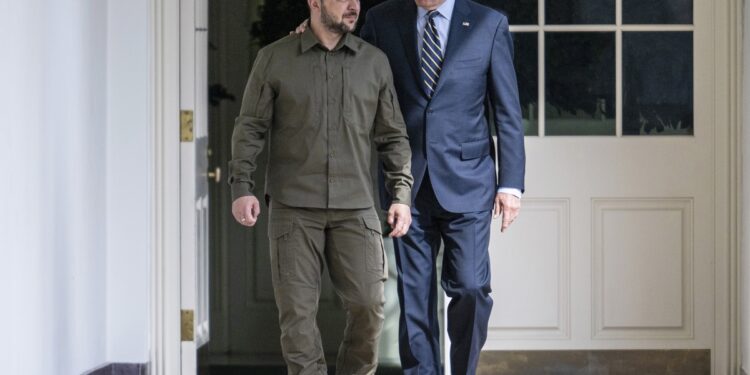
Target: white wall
[(745, 254), (128, 180), (74, 228), (54, 111)]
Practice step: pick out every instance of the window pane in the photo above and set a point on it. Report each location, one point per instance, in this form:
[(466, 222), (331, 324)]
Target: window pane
[(519, 12), (527, 73), (657, 83), (657, 11), (580, 83), (570, 12)]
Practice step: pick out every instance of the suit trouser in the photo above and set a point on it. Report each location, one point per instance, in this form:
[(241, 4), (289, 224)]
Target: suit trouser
[(465, 278), (350, 244)]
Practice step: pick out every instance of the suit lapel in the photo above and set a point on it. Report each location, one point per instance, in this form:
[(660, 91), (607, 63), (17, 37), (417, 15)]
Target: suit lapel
[(461, 24), (407, 25)]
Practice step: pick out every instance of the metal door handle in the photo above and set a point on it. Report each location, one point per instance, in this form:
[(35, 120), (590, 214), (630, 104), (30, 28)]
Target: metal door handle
[(215, 175)]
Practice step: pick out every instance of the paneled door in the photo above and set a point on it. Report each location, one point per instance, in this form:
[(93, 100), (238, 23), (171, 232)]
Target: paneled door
[(194, 178), (615, 244)]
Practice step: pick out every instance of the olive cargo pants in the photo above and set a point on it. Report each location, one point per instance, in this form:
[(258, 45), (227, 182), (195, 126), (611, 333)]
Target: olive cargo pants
[(350, 244)]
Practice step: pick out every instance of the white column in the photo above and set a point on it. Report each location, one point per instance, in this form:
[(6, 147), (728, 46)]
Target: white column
[(745, 252)]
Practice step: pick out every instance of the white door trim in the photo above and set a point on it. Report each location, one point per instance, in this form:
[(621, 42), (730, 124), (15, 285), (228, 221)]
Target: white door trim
[(165, 248), (728, 70), (165, 214)]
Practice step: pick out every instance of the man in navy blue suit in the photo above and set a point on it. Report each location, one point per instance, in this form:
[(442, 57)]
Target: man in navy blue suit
[(452, 62)]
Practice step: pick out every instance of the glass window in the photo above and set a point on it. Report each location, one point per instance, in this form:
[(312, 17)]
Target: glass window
[(657, 12), (571, 12), (657, 83), (580, 85), (582, 40), (519, 12), (526, 63)]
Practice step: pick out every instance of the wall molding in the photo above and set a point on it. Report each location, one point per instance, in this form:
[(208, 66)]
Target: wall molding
[(728, 71), (602, 206), (164, 85), (561, 331)]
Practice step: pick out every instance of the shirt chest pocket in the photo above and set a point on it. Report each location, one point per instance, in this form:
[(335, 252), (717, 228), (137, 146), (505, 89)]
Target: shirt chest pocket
[(360, 99), (299, 103)]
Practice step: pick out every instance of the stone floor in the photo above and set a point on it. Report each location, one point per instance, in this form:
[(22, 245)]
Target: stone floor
[(596, 362), (559, 362)]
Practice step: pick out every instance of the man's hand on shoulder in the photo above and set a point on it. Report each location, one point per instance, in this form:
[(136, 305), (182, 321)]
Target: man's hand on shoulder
[(399, 218), (509, 206), (246, 210), (301, 28)]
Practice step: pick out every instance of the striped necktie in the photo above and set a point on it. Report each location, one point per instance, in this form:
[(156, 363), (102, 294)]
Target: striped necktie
[(432, 54)]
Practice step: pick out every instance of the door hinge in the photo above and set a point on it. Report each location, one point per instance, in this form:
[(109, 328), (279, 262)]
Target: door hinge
[(186, 126), (186, 324)]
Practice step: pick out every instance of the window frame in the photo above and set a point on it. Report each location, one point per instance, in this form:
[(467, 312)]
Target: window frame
[(618, 28)]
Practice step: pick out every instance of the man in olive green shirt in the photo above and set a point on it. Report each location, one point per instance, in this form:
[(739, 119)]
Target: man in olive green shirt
[(319, 100)]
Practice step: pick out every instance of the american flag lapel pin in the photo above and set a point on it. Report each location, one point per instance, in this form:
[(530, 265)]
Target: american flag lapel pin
[(465, 24)]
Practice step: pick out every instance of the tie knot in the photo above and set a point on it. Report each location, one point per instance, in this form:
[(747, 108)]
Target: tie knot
[(432, 14)]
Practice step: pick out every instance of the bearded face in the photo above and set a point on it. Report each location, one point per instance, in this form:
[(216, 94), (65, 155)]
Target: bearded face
[(339, 16)]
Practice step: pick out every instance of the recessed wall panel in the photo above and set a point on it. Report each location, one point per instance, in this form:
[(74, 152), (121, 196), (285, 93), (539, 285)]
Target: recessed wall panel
[(642, 267), (530, 273)]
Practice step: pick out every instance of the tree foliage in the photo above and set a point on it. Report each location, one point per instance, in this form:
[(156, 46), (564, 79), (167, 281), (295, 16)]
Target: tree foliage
[(279, 17)]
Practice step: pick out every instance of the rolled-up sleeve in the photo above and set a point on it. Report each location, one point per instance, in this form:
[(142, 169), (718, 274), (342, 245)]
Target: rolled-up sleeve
[(392, 141), (250, 128)]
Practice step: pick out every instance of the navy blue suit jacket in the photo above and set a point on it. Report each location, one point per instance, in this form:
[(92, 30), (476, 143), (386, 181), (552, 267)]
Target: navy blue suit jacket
[(449, 134)]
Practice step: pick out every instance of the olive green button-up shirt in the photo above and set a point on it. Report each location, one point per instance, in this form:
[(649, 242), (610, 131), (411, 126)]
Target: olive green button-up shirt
[(320, 111)]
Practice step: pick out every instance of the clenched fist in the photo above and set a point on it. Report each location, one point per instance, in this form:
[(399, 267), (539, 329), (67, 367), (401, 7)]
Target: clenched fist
[(246, 210)]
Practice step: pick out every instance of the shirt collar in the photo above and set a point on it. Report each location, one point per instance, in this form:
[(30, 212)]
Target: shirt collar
[(445, 10), (309, 40)]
